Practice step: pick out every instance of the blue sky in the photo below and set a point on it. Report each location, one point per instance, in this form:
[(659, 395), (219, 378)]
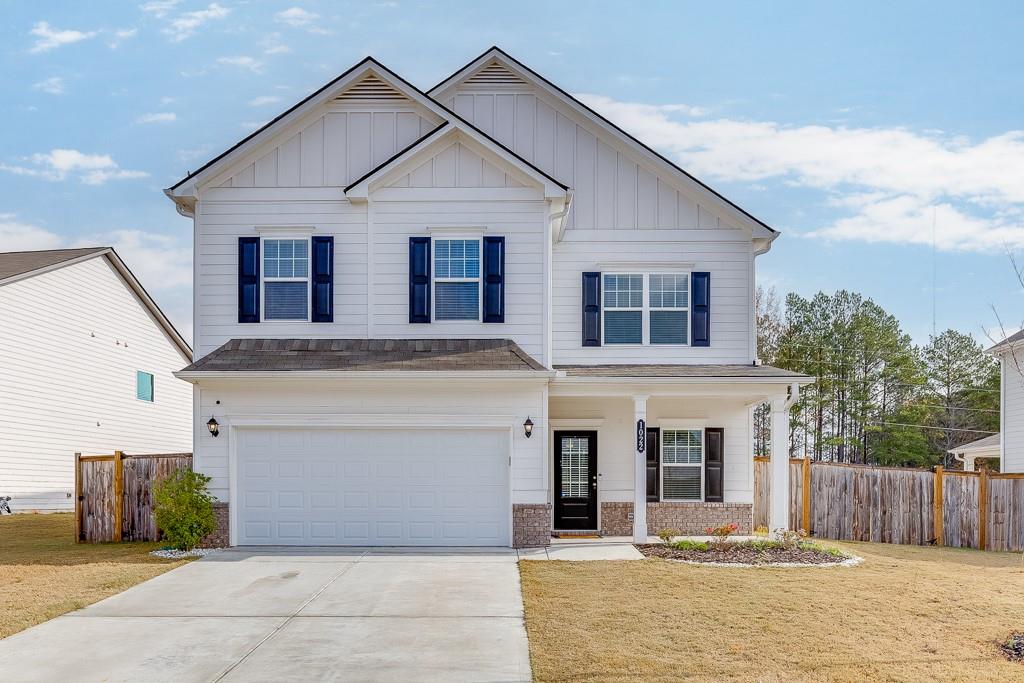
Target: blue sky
[(848, 126)]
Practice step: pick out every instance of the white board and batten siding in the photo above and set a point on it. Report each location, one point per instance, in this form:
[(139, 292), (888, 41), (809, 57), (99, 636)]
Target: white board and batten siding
[(73, 339), (1013, 415)]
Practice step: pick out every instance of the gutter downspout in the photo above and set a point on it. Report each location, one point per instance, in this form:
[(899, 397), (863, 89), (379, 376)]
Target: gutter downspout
[(561, 217)]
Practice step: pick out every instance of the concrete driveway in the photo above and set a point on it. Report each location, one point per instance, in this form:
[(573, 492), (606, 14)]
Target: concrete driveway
[(296, 614)]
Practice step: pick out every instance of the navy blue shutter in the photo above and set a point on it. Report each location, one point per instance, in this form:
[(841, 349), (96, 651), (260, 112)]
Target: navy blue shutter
[(701, 284), (419, 279), (714, 465), (248, 279), (494, 279), (591, 309), (322, 279)]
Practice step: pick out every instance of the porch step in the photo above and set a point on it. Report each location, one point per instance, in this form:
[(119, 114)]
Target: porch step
[(576, 534)]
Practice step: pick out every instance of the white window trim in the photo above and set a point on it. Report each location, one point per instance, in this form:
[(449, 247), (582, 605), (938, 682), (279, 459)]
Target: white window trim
[(152, 388), (291, 236), (680, 426), (645, 306), (464, 235)]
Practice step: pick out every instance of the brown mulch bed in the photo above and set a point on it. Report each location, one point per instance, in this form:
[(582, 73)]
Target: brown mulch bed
[(1013, 647), (740, 554)]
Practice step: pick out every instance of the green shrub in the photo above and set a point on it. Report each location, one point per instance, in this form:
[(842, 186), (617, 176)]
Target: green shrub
[(666, 535), (685, 544), (184, 508)]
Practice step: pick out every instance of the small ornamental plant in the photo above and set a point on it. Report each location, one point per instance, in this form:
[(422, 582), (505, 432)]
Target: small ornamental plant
[(666, 535), (183, 508), (722, 533)]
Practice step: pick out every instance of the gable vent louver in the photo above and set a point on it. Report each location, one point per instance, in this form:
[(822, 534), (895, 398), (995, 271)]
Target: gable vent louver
[(370, 88), (494, 74)]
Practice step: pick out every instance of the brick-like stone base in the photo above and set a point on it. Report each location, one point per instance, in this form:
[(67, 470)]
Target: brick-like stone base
[(531, 525), (691, 519), (220, 537)]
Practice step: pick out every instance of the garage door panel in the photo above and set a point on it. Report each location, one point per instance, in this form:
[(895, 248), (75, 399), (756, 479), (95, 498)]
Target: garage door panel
[(360, 487)]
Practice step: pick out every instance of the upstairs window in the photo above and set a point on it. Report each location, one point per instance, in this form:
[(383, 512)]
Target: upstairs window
[(456, 279), (144, 386), (646, 308), (682, 464), (286, 279)]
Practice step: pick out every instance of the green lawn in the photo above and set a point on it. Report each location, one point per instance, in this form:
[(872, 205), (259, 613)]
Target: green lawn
[(44, 573)]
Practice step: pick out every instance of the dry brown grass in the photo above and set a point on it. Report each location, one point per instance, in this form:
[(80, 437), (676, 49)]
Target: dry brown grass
[(907, 614), (44, 573)]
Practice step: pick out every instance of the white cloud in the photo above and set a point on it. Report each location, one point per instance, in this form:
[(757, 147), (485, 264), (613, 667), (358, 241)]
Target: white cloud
[(186, 155), (272, 45), (53, 85), (157, 117), (159, 261), (253, 125), (185, 25), (59, 164), (264, 100), (121, 35), (18, 236), (242, 62), (159, 8), (48, 37), (889, 180), (296, 17)]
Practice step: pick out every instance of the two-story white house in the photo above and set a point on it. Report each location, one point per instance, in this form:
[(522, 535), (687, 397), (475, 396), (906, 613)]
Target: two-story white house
[(471, 316)]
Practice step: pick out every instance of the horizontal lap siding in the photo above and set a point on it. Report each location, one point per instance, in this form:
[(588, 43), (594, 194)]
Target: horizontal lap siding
[(229, 214), (522, 223), (68, 385), (282, 398), (725, 254), (1013, 415), (617, 433)]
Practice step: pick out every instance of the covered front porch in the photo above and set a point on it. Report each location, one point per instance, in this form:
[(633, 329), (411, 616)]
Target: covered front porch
[(634, 450)]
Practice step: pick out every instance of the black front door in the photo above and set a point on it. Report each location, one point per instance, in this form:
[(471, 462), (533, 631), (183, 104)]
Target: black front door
[(576, 480)]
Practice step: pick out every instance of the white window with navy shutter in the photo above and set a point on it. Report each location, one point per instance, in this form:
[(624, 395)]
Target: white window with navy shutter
[(285, 277), (647, 308), (457, 276)]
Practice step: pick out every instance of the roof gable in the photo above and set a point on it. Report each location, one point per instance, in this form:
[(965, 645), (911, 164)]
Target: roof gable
[(496, 70), (15, 266)]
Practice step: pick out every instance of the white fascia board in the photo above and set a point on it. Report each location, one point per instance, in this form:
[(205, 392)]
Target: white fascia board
[(355, 376), (685, 182), (751, 390), (445, 134), (238, 154)]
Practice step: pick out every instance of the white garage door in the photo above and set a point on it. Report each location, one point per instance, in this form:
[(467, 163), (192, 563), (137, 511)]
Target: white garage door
[(372, 487)]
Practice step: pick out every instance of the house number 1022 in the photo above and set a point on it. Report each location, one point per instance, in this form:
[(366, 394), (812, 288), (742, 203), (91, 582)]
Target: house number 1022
[(641, 436)]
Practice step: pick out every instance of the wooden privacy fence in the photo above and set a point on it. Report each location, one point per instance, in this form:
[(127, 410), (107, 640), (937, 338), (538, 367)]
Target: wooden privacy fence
[(899, 505), (113, 494)]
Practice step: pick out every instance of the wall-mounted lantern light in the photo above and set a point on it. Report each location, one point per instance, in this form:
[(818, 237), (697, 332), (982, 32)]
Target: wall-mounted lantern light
[(528, 427), (213, 426)]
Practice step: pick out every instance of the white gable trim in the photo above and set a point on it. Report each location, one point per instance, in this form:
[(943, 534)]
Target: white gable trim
[(129, 279), (440, 138), (652, 159), (185, 192)]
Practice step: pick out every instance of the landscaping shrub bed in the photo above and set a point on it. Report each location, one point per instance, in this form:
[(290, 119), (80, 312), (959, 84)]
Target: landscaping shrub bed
[(745, 552)]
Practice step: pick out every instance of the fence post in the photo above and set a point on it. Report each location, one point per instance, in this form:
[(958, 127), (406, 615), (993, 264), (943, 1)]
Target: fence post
[(983, 508), (78, 497), (937, 507), (806, 493), (118, 496)]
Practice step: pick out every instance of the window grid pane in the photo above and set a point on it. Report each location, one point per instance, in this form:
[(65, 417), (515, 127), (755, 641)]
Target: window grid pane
[(285, 259), (457, 259), (575, 462), (669, 291), (681, 447), (623, 291)]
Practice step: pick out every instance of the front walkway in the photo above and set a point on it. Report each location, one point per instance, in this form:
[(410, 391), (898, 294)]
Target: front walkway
[(295, 614)]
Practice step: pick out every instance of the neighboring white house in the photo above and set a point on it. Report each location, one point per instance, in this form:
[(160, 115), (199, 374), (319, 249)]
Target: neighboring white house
[(988, 447), (86, 363), (1010, 353), (471, 316)]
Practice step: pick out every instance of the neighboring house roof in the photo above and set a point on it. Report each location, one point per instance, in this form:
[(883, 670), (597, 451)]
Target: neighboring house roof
[(680, 371), (366, 355), (14, 263), (496, 53), (988, 443), (1010, 341), (18, 265)]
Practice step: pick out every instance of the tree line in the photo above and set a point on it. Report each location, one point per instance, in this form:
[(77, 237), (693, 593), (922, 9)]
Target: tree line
[(879, 398)]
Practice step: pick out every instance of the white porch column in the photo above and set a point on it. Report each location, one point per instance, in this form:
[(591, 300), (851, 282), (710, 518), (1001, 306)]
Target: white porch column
[(640, 469), (778, 515)]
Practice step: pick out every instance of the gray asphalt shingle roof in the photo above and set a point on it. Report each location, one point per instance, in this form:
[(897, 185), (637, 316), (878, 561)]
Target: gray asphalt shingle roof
[(20, 262), (364, 355), (678, 371)]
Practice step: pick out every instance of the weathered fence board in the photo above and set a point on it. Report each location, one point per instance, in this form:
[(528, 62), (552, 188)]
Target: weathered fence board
[(102, 515), (899, 505)]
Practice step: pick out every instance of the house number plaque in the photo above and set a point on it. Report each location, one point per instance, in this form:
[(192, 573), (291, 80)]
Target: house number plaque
[(641, 436)]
